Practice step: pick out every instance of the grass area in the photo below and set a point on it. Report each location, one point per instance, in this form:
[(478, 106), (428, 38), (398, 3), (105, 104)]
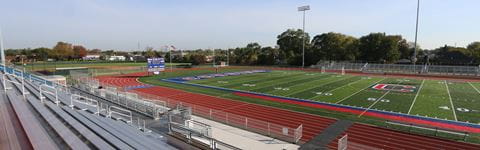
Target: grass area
[(428, 97)]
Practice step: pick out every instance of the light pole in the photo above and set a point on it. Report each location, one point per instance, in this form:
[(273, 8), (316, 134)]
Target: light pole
[(303, 9), (414, 59), (2, 53)]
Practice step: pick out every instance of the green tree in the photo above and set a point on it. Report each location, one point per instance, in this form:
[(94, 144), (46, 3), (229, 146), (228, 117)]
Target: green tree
[(474, 50), (150, 53), (290, 44), (334, 46), (378, 47), (41, 53)]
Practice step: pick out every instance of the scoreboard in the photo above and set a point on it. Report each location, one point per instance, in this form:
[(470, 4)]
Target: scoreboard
[(155, 65)]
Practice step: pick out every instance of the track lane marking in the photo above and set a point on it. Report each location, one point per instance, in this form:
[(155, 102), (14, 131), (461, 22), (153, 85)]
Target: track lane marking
[(415, 99), (451, 102)]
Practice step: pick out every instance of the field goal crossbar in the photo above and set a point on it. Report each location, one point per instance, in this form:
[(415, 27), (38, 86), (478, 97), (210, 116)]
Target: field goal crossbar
[(436, 129)]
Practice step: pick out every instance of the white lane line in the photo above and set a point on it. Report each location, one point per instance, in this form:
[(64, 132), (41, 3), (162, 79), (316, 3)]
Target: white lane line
[(415, 99), (358, 91), (380, 98), (474, 87), (451, 102)]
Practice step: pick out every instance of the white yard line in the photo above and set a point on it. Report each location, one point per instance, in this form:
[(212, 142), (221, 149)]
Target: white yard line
[(378, 99), (358, 91), (318, 85), (474, 87), (415, 99), (451, 102), (336, 88)]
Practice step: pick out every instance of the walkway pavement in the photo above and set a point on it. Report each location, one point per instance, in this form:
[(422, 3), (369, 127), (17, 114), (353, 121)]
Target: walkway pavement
[(244, 139)]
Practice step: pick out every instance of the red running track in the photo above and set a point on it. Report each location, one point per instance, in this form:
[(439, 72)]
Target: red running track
[(312, 124), (360, 136)]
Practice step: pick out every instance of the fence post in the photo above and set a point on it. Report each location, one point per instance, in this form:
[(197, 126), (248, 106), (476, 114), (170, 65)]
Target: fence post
[(246, 122), (268, 128), (210, 113), (226, 118)]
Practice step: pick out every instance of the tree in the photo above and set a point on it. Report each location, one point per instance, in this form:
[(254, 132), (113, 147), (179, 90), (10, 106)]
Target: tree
[(448, 55), (41, 53), (95, 52), (378, 47), (79, 51), (150, 52), (334, 46), (474, 50), (290, 43), (268, 56), (63, 51)]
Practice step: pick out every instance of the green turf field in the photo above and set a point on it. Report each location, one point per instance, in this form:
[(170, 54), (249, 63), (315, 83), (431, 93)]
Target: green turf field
[(450, 100)]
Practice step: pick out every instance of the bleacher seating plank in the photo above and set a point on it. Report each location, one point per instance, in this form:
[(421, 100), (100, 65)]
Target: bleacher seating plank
[(67, 135), (117, 132), (118, 143), (36, 133), (88, 134), (8, 137), (129, 130)]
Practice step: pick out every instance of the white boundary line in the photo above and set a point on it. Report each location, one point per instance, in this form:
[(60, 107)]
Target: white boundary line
[(474, 87), (415, 99), (451, 103), (358, 91)]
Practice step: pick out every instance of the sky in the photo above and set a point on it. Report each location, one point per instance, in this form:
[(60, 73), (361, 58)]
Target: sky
[(201, 24)]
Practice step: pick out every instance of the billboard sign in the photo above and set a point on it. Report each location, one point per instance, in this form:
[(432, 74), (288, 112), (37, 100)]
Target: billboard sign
[(155, 64)]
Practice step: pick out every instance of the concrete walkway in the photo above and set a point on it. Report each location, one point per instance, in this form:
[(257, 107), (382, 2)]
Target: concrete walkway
[(244, 139)]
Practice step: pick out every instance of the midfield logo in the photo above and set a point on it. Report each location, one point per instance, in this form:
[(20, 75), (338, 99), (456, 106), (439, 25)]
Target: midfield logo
[(395, 88)]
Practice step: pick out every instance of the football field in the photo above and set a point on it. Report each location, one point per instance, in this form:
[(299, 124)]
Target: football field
[(443, 99)]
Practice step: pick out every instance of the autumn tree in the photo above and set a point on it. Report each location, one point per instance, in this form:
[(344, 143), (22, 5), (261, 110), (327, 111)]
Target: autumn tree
[(62, 51), (79, 51)]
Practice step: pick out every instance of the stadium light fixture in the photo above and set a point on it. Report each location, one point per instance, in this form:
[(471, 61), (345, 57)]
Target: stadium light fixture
[(303, 9)]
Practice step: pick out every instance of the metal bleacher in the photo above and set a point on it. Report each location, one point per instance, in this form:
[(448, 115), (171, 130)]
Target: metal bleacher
[(52, 123)]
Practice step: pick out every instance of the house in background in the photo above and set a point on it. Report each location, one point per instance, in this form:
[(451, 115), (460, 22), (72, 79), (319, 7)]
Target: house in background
[(91, 57), (116, 58)]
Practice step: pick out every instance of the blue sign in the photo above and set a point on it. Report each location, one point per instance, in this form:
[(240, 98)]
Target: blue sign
[(155, 64)]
